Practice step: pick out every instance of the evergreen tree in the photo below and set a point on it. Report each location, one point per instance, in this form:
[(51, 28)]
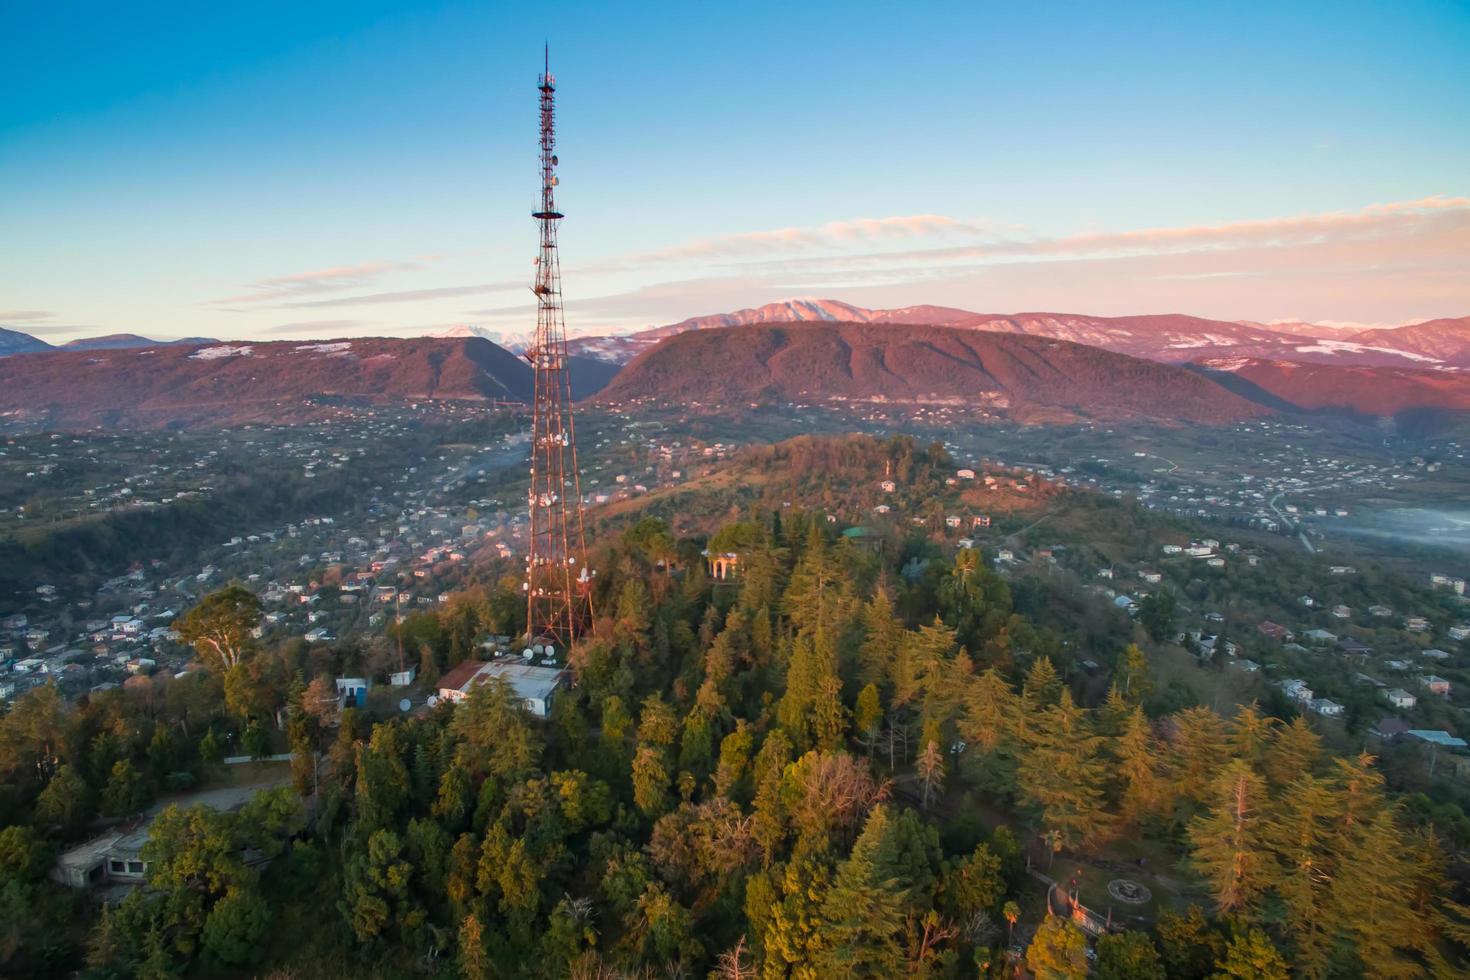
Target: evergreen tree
[(862, 915), (882, 635), (1250, 734), (66, 800), (1251, 956), (1299, 834), (1042, 687), (1142, 792), (868, 717), (1200, 747), (1062, 775), (1128, 956), (1227, 841), (1188, 944), (1131, 675), (1294, 750)]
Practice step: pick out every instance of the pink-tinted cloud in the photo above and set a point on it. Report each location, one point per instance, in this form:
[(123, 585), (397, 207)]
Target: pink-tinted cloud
[(316, 281), (1397, 220), (410, 295), (24, 316), (835, 234)]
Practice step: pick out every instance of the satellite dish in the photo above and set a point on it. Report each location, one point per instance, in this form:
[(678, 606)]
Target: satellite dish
[(405, 704), (554, 160), (433, 700)]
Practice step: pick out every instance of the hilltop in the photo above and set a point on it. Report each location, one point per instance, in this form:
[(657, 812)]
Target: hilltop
[(233, 383), (1173, 338), (1027, 378)]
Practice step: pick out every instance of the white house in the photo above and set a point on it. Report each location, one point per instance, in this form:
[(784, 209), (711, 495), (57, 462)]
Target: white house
[(1326, 707), (1297, 690), (1400, 698)]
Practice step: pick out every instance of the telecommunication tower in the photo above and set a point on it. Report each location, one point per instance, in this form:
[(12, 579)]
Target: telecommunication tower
[(558, 583)]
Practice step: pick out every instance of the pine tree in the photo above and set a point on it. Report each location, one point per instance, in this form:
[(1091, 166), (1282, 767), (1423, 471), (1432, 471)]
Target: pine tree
[(992, 713), (1112, 717), (1250, 734), (1294, 750), (1199, 749), (1228, 849), (1041, 687), (1189, 944), (1142, 793), (868, 717), (1062, 774), (882, 634), (1373, 895), (1251, 956), (930, 767), (863, 913), (1299, 834), (1132, 674), (1128, 956)]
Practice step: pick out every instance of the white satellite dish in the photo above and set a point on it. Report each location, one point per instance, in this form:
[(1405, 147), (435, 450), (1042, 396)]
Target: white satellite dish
[(405, 704), (433, 700)]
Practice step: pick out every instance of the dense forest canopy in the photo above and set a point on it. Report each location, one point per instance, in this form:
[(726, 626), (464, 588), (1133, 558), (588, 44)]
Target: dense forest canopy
[(848, 760)]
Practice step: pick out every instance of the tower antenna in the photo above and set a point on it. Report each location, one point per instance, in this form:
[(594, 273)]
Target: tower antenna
[(558, 582)]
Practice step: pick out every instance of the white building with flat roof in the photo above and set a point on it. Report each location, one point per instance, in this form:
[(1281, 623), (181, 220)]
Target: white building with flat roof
[(535, 685)]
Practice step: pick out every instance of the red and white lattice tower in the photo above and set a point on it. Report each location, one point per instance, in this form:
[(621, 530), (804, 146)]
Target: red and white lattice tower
[(558, 583)]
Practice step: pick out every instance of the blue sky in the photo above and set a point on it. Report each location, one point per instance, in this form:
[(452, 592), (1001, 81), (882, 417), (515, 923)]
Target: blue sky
[(324, 169)]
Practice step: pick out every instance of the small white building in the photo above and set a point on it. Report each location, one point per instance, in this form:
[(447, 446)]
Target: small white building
[(1326, 707), (535, 685), (1400, 698)]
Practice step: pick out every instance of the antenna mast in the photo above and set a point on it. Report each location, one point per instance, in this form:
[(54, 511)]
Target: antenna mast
[(558, 583)]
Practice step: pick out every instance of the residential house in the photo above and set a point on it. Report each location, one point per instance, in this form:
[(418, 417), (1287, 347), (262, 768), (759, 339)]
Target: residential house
[(1435, 685), (1325, 707), (1400, 698), (1297, 690)]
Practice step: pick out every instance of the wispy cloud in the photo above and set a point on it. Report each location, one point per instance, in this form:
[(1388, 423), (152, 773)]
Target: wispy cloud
[(835, 234), (318, 281), (24, 316), (316, 327), (1374, 222), (410, 295), (1392, 262)]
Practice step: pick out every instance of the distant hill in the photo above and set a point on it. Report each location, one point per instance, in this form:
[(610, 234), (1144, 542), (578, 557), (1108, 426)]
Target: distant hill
[(1348, 388), (230, 383), (1171, 338), (1025, 377), (15, 342), (123, 341), (1447, 340)]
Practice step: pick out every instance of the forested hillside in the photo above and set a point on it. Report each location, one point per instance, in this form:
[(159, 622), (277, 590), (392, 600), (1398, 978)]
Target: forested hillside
[(824, 766)]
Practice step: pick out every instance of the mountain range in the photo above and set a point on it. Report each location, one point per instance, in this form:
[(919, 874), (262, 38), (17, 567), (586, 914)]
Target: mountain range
[(1170, 338), (1033, 367), (17, 342), (280, 381)]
